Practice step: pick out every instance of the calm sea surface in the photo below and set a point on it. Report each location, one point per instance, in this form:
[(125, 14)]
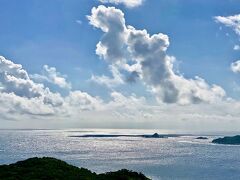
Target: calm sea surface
[(169, 158)]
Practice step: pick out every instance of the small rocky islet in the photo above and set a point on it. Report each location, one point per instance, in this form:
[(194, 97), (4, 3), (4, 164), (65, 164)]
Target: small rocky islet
[(202, 138)]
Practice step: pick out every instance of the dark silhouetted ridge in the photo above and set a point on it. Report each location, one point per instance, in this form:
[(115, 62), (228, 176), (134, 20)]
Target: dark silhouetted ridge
[(50, 168)]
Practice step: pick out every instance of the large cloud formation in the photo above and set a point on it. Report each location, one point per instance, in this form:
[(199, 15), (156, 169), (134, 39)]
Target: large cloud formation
[(26, 103), (137, 53), (127, 3), (21, 97), (20, 94)]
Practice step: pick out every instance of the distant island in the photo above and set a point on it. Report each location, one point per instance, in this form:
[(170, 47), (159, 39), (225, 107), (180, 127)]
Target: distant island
[(234, 140), (202, 138), (155, 135), (51, 168)]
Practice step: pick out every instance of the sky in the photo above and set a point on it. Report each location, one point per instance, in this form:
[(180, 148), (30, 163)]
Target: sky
[(120, 64)]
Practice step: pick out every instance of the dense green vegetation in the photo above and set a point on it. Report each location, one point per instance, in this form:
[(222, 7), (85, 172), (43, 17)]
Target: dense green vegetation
[(50, 168), (234, 140)]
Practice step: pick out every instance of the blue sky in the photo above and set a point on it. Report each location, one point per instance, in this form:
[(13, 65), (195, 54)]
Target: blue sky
[(37, 33), (57, 33)]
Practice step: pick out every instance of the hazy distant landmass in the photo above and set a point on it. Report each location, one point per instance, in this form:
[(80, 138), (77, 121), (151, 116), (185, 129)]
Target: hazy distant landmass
[(233, 140), (51, 168), (155, 135), (202, 138)]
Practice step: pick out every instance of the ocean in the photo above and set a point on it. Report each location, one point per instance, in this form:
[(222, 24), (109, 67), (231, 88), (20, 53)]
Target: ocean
[(177, 157)]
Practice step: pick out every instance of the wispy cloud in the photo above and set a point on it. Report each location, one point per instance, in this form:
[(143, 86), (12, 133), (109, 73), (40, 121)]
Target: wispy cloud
[(230, 21), (234, 23), (79, 22), (127, 3)]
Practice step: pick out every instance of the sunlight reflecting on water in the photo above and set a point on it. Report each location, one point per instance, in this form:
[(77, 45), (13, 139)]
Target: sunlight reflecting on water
[(181, 157)]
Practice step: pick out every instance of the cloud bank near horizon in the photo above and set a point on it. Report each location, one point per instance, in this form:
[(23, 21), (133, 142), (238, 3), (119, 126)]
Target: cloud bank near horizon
[(24, 100)]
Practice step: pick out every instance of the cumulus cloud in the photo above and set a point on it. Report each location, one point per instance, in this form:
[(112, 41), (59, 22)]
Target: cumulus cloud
[(109, 82), (112, 22), (24, 100), (14, 79), (83, 109), (137, 52), (230, 21), (127, 3), (19, 94), (51, 75), (235, 67), (132, 101), (21, 101), (83, 101)]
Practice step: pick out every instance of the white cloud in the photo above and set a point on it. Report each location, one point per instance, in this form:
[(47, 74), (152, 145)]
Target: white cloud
[(79, 22), (230, 21), (12, 69), (132, 101), (14, 79), (48, 109), (109, 82), (236, 47), (137, 52), (127, 3), (51, 75), (83, 101), (24, 100), (21, 95), (234, 23), (112, 22), (235, 67)]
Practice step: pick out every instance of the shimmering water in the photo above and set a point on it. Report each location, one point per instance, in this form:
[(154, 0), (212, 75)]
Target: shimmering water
[(172, 158)]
